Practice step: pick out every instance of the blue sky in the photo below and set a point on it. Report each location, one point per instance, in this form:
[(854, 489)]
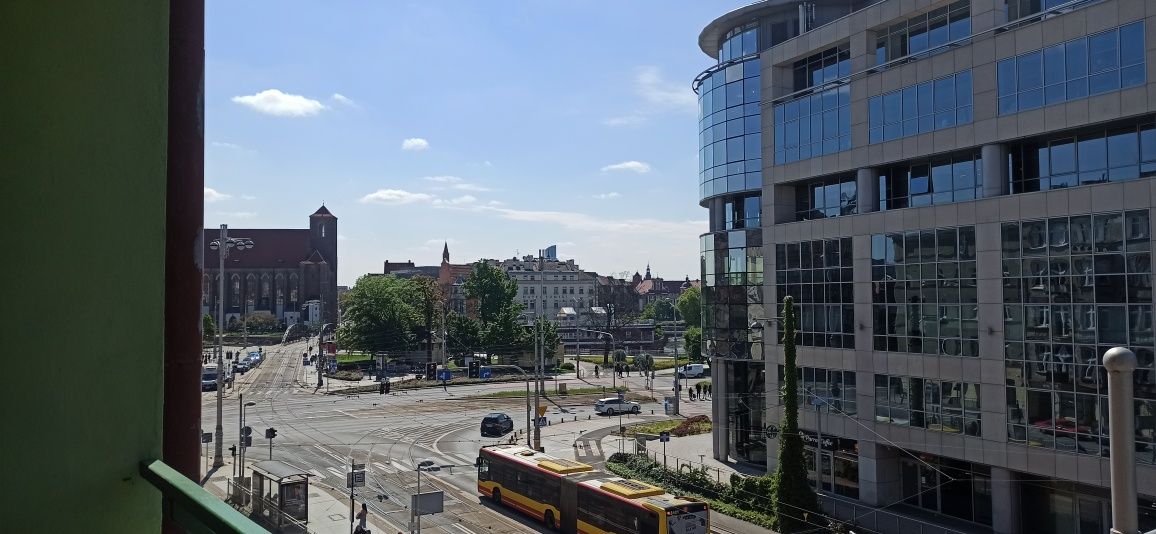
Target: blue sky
[(528, 124)]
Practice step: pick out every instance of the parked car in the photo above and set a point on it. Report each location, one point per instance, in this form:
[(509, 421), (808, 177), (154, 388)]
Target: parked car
[(613, 406), (693, 370), (497, 424)]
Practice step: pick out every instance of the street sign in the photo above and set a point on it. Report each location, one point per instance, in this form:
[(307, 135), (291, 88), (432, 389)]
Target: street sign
[(206, 437), (664, 437), (246, 431), (541, 411), (771, 431), (485, 372), (541, 421), (355, 479), (444, 375), (359, 467), (427, 503)]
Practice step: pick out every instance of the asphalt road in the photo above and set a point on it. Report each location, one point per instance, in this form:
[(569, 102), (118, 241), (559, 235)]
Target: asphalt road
[(391, 434)]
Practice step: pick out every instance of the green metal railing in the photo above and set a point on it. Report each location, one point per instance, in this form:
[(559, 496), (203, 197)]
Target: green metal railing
[(190, 506)]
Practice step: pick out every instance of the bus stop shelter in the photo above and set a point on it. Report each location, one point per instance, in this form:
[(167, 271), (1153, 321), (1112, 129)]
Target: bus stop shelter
[(281, 495)]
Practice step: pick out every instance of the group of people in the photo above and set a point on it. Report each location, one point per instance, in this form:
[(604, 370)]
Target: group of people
[(700, 391)]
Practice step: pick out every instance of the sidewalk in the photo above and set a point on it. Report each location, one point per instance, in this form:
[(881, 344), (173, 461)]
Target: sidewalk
[(328, 513)]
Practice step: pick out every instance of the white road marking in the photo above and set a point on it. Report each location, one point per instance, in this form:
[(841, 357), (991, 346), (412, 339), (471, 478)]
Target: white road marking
[(336, 472), (315, 472)]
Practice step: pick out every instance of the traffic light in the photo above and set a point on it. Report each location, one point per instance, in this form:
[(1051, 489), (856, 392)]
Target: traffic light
[(475, 369), (431, 371), (270, 433)]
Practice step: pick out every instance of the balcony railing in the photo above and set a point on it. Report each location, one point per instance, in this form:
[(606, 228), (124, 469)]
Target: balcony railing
[(190, 506)]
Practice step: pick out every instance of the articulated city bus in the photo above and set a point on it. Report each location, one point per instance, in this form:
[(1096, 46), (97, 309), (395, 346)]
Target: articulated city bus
[(575, 498)]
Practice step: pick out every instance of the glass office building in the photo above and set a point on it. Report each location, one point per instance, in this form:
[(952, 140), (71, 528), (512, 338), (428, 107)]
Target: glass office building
[(959, 199)]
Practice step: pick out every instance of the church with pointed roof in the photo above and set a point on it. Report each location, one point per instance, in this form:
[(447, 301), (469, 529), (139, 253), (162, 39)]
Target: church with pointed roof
[(289, 273)]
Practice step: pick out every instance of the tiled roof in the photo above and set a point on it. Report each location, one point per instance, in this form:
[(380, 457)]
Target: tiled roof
[(272, 248)]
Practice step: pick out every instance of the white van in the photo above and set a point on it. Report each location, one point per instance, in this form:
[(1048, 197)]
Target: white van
[(693, 370)]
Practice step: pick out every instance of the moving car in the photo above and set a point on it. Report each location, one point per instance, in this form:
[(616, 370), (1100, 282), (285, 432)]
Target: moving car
[(497, 424), (693, 370), (613, 406), (209, 378), (241, 366)]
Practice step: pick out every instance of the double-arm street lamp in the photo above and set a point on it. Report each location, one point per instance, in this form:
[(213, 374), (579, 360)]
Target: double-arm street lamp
[(222, 246)]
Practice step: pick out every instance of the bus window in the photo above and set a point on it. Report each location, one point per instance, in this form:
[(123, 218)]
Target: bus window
[(483, 469)]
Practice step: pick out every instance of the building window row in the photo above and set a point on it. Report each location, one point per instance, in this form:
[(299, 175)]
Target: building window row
[(924, 293), (1082, 158), (1106, 61), (1073, 422), (940, 405), (739, 42), (924, 32), (826, 66), (832, 390), (819, 276), (929, 106), (1018, 9), (939, 180), (745, 212), (733, 258), (829, 197), (813, 125)]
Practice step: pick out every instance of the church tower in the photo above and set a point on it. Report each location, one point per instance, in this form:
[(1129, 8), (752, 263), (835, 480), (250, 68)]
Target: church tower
[(323, 240)]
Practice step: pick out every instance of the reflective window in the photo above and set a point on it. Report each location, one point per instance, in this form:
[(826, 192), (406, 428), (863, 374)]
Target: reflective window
[(746, 384), (940, 405), (1106, 61), (732, 275), (1073, 287), (739, 42), (730, 136), (835, 387), (1017, 9), (813, 125), (940, 180), (924, 292), (828, 65), (818, 275), (819, 199), (923, 32), (742, 212), (922, 108), (1093, 156)]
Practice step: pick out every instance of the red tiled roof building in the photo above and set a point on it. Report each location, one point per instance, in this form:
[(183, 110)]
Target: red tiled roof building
[(284, 271)]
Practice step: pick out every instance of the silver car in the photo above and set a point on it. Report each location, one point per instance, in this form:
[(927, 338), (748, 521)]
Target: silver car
[(613, 406)]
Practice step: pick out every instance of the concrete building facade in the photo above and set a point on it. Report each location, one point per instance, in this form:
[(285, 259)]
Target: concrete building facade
[(958, 197), (547, 284)]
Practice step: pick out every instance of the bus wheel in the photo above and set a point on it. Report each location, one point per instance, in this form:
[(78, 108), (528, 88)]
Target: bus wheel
[(497, 496), (550, 523)]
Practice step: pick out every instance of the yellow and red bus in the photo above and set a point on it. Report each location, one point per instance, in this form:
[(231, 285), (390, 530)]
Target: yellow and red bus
[(573, 497)]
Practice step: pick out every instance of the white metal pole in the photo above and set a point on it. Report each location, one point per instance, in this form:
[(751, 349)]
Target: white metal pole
[(1120, 364), (222, 251), (415, 510)]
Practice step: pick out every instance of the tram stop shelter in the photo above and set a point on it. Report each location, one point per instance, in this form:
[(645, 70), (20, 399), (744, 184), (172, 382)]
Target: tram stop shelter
[(280, 495)]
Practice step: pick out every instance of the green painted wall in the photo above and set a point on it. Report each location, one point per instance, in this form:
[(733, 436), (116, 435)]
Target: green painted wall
[(83, 119)]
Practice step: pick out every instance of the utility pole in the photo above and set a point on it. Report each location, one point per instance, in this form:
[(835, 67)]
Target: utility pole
[(537, 391), (222, 251), (677, 393)]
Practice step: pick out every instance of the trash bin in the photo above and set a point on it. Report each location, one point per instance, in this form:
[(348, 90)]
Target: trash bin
[(561, 388)]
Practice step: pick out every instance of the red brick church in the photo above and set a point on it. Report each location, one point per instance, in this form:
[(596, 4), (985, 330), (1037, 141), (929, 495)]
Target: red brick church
[(289, 273)]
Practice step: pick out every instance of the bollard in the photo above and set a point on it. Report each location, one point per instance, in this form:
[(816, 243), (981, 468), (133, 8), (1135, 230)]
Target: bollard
[(587, 417)]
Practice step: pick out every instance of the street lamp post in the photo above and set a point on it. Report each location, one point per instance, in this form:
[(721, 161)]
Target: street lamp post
[(241, 435), (420, 466), (222, 246), (1121, 364)]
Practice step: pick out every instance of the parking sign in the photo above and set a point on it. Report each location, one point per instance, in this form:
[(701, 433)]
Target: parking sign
[(485, 372), (444, 374)]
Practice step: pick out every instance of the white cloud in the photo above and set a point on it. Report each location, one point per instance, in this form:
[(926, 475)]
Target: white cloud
[(248, 197), (231, 146), (341, 237), (212, 195), (274, 102), (442, 179), (590, 223), (393, 197), (625, 120), (469, 187), (650, 85), (464, 199), (415, 143), (236, 214), (487, 163), (636, 166), (495, 203), (611, 194), (338, 97)]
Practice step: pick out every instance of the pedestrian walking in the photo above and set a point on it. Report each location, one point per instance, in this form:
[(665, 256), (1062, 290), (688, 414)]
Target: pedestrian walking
[(709, 394), (362, 516), (698, 389), (595, 371)]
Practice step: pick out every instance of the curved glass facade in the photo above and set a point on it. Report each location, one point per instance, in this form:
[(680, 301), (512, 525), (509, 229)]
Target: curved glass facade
[(730, 136)]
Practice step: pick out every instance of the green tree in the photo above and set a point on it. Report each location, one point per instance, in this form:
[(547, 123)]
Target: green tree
[(505, 335), (550, 337), (260, 322), (427, 301), (463, 335), (379, 316), (644, 362), (690, 306), (792, 497), (663, 310), (208, 327), (493, 291), (649, 312), (692, 342)]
